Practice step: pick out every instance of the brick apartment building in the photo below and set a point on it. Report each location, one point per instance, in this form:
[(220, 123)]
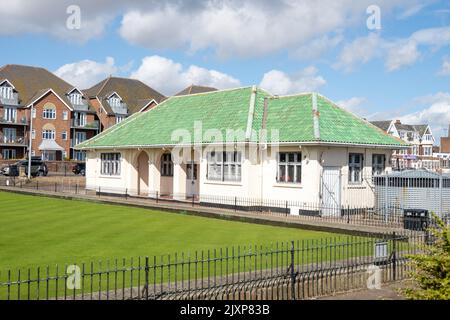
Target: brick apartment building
[(115, 99), (60, 114), (57, 116)]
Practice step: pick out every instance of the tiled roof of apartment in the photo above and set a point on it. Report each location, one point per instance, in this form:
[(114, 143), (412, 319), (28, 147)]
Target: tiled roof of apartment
[(33, 82), (383, 125), (193, 89), (298, 119), (132, 91)]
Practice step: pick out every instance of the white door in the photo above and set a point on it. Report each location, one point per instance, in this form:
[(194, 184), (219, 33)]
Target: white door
[(192, 179), (331, 191)]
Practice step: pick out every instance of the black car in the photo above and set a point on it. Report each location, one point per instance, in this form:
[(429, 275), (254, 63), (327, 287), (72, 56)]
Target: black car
[(79, 169)]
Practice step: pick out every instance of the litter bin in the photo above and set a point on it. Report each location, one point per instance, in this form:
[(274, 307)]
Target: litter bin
[(416, 219)]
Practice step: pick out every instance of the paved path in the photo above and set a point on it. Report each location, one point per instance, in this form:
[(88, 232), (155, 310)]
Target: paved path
[(387, 292), (226, 214)]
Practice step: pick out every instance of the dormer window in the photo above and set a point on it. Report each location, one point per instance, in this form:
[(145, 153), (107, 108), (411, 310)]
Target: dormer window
[(114, 101), (75, 97), (6, 92)]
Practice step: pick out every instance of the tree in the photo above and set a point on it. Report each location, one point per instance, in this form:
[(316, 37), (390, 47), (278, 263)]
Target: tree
[(431, 267)]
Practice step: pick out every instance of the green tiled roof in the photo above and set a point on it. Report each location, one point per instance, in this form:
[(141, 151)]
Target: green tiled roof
[(292, 116)]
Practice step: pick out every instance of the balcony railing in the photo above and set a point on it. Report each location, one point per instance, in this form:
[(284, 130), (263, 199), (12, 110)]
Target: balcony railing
[(14, 101), (80, 107), (8, 140), (120, 109), (18, 121), (94, 125)]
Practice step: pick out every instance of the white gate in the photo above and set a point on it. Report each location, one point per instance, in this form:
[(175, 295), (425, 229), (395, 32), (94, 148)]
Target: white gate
[(331, 191)]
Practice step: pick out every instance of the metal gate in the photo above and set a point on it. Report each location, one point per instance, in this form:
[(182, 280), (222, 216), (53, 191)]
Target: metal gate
[(331, 191)]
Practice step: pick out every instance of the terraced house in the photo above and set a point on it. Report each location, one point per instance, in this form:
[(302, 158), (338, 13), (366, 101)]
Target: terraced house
[(243, 142), (115, 99), (60, 114)]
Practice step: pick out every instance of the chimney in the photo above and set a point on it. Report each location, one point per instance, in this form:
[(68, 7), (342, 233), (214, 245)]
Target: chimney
[(398, 122)]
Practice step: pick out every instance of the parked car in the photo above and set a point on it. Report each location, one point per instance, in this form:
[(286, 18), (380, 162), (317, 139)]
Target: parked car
[(79, 169), (10, 170), (38, 167)]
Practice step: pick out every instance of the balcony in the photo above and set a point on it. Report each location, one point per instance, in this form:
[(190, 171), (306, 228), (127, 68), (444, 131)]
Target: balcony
[(18, 122), (80, 107), (94, 125), (14, 101), (13, 141), (121, 109)]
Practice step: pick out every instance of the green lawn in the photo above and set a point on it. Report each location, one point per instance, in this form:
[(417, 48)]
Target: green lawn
[(39, 231)]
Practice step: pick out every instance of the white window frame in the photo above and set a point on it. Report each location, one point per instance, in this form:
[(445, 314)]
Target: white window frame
[(110, 164), (10, 114), (33, 134), (9, 154), (287, 161), (65, 115), (224, 166), (64, 135), (119, 119), (49, 113), (166, 165), (355, 169), (48, 134)]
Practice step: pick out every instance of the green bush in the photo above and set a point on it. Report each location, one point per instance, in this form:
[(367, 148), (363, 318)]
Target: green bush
[(431, 268)]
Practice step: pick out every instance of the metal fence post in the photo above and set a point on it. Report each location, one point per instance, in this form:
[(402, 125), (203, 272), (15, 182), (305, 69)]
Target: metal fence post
[(292, 271), (126, 194), (76, 188), (56, 188), (157, 195), (146, 277), (348, 214), (37, 185), (235, 204), (394, 256), (287, 208), (99, 191)]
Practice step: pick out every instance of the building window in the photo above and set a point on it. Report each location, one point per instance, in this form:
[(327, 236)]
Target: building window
[(9, 154), (289, 167), (33, 113), (48, 134), (49, 113), (167, 165), (355, 166), (64, 135), (65, 115), (119, 119), (427, 151), (80, 155), (10, 114), (33, 134), (224, 166), (378, 164), (110, 164), (76, 99), (6, 92), (114, 101)]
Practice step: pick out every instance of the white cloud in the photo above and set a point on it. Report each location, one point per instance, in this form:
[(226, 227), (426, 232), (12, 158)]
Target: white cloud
[(244, 28), (360, 51), (85, 73), (169, 77), (354, 105), (280, 83), (437, 116), (50, 17), (445, 69), (397, 53), (317, 47)]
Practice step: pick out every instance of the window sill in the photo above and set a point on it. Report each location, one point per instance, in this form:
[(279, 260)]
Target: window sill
[(288, 185), (110, 177), (224, 183)]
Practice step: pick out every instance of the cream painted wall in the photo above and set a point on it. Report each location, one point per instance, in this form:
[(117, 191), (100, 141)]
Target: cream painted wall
[(258, 177)]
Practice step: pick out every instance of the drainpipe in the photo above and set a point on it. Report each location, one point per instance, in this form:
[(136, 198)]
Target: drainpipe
[(30, 142), (251, 113)]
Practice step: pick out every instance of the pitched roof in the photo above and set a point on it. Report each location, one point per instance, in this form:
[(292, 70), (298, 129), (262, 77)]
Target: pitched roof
[(132, 91), (383, 125), (193, 89), (32, 82), (294, 118)]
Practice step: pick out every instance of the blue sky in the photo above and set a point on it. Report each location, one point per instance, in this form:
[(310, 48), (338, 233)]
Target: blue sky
[(399, 71)]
